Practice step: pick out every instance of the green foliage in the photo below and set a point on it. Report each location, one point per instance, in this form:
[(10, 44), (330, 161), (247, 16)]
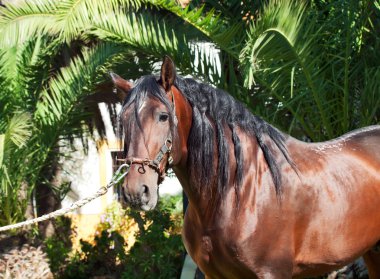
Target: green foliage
[(116, 219), (313, 60), (156, 253), (104, 257), (58, 247), (14, 134), (46, 110)]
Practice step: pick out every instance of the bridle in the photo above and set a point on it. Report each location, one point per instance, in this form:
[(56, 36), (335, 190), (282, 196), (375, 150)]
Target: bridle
[(155, 164)]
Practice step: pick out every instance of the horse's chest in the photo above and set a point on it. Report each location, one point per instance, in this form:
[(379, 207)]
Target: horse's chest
[(199, 240), (215, 250)]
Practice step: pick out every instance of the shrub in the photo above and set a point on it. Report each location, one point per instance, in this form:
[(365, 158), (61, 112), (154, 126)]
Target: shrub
[(156, 253), (59, 246)]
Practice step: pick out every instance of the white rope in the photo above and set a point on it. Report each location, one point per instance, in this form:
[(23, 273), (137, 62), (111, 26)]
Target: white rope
[(115, 180)]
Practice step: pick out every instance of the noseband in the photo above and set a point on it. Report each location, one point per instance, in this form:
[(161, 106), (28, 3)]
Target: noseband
[(155, 163)]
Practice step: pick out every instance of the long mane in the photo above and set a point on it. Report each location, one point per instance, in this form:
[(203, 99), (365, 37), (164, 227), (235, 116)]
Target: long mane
[(213, 111)]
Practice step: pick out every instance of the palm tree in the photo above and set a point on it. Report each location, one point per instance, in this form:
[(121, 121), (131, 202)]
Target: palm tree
[(37, 112), (318, 63), (14, 133)]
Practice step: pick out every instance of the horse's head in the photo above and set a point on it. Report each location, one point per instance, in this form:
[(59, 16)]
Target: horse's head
[(149, 126)]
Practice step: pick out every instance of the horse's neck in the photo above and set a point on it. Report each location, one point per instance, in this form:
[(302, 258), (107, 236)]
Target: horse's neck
[(207, 202), (184, 116), (203, 199)]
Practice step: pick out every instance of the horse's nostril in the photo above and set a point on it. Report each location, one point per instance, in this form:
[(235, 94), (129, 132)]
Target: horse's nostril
[(144, 194), (145, 190)]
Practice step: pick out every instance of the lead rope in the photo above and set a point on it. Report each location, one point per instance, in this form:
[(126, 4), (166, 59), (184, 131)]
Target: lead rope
[(117, 177)]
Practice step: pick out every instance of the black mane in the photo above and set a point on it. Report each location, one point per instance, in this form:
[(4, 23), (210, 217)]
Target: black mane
[(213, 106), (214, 111)]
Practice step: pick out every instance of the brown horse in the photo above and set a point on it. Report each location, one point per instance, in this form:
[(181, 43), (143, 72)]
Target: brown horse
[(261, 203)]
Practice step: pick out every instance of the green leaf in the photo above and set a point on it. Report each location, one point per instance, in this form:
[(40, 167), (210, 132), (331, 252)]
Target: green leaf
[(18, 130), (18, 23), (2, 139)]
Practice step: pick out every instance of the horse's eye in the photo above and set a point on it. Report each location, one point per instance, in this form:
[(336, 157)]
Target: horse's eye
[(163, 117)]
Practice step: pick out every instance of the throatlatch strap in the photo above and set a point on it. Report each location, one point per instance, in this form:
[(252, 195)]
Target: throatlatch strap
[(164, 149)]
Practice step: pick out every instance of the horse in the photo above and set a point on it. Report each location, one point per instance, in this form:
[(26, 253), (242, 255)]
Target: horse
[(262, 204)]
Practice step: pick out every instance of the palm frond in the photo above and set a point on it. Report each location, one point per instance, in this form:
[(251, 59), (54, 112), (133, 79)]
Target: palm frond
[(75, 16), (282, 54), (71, 84), (368, 109), (277, 30), (19, 129), (206, 22), (14, 134), (24, 69), (2, 140), (142, 32), (227, 34), (14, 170), (18, 23)]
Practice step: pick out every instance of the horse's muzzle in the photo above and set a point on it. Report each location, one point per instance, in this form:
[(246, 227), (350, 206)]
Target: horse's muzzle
[(138, 199)]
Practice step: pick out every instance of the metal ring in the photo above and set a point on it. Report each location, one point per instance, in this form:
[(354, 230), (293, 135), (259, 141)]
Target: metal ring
[(141, 169), (170, 143)]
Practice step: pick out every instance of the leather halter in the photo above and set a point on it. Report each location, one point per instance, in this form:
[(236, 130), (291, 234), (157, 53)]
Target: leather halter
[(155, 163)]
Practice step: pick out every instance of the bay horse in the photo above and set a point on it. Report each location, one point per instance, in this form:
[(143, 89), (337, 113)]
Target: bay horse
[(261, 203)]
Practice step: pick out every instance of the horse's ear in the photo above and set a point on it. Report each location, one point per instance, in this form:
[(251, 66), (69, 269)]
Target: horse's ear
[(168, 73), (122, 84)]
